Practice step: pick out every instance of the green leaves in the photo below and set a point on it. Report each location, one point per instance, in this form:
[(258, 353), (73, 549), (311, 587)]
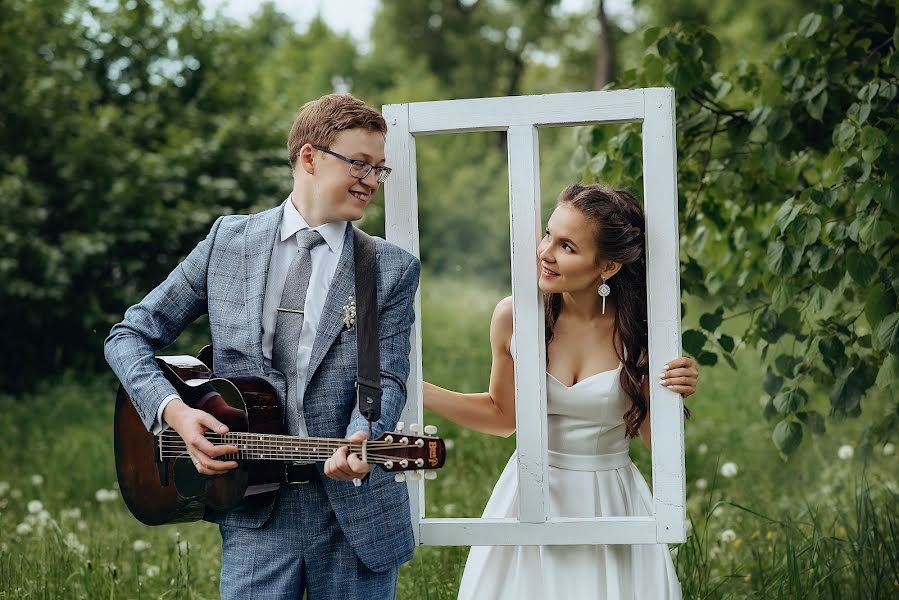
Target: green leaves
[(861, 267), (886, 336), (809, 24), (783, 259), (787, 436), (693, 341), (789, 207)]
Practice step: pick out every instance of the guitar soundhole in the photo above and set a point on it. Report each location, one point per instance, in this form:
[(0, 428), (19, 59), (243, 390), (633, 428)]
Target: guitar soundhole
[(188, 482)]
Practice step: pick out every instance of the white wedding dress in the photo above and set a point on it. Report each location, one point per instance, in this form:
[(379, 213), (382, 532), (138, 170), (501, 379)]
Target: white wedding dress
[(590, 475)]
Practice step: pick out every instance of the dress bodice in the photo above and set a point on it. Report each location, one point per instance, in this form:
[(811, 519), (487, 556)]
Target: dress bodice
[(587, 418)]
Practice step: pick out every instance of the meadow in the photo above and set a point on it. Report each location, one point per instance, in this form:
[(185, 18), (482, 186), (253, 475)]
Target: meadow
[(823, 524)]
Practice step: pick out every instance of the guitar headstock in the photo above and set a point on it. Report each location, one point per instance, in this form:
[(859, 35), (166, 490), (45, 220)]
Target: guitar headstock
[(401, 452)]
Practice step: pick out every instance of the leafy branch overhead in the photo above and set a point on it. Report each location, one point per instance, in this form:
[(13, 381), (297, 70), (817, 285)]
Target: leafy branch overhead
[(788, 194)]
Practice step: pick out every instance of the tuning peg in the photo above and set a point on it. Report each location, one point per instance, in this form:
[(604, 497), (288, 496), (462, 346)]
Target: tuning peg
[(399, 426), (419, 462), (415, 475), (404, 463), (430, 430), (399, 477), (414, 428), (430, 474)]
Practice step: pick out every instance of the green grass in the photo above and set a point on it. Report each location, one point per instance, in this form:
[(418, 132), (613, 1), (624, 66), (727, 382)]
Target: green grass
[(814, 526)]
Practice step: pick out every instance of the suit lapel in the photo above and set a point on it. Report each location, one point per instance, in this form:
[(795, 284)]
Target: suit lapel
[(259, 240), (342, 287)]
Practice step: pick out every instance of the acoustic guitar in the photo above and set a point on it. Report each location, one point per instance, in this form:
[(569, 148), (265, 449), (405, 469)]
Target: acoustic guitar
[(158, 480)]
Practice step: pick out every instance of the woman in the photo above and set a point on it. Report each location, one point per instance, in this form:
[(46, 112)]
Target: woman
[(593, 276)]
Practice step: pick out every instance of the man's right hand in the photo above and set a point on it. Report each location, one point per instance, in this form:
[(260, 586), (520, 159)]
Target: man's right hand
[(192, 425)]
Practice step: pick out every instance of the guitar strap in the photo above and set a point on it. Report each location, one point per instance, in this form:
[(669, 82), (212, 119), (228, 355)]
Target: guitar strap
[(368, 358)]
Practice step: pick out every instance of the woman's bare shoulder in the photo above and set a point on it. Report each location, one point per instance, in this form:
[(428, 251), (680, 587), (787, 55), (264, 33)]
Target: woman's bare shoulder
[(501, 322)]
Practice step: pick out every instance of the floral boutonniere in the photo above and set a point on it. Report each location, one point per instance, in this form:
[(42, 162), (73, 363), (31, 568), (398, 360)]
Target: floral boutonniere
[(349, 314)]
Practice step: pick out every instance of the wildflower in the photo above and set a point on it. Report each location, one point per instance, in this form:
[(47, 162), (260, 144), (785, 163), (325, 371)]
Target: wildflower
[(701, 484), (104, 495), (151, 570), (703, 449), (82, 526), (4, 487), (729, 469), (37, 480), (74, 544), (769, 535), (140, 545), (23, 529), (727, 536), (43, 517), (845, 452), (35, 506), (747, 578), (70, 513), (888, 450), (841, 531)]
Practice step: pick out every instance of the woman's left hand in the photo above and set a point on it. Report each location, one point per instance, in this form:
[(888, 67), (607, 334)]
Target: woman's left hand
[(680, 375)]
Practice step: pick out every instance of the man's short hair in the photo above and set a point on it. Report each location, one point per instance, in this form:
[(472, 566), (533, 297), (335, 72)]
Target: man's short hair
[(319, 122)]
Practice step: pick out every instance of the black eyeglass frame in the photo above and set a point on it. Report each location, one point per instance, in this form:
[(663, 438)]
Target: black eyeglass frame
[(382, 172)]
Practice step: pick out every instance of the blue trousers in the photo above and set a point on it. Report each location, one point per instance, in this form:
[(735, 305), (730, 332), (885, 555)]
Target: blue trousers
[(301, 548)]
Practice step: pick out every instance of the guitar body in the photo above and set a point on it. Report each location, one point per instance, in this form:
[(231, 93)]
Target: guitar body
[(170, 490), (160, 484)]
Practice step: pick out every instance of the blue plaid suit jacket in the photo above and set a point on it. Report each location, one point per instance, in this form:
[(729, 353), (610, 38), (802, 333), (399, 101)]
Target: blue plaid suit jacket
[(225, 276)]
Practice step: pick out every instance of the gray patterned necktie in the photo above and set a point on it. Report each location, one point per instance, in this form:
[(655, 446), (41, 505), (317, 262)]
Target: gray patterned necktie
[(289, 322)]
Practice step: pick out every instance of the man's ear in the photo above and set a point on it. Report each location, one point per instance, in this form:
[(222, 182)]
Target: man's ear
[(306, 159)]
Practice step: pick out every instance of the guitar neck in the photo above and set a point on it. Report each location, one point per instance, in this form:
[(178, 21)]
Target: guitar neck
[(264, 446)]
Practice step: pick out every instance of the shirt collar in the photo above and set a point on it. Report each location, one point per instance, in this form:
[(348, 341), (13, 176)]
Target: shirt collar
[(293, 222)]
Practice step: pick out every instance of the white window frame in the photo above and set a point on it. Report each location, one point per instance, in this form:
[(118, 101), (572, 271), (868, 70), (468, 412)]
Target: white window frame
[(521, 117)]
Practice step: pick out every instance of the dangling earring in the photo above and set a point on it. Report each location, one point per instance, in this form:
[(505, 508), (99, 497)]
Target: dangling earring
[(604, 290)]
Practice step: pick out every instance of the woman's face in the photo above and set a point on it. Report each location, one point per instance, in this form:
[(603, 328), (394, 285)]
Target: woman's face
[(567, 253)]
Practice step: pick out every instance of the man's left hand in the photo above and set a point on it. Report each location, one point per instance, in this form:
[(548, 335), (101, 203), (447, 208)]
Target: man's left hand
[(344, 466)]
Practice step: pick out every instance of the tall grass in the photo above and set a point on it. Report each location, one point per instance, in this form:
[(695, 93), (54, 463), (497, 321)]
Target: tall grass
[(815, 526)]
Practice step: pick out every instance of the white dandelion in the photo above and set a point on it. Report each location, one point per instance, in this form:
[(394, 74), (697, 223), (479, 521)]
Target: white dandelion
[(140, 545), (70, 513), (35, 506), (702, 449), (845, 452), (889, 449), (4, 487), (151, 570), (449, 444), (727, 536), (729, 469), (701, 484), (37, 480), (23, 529), (104, 495)]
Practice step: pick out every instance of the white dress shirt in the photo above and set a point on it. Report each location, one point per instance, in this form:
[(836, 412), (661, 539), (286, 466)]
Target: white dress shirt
[(324, 265)]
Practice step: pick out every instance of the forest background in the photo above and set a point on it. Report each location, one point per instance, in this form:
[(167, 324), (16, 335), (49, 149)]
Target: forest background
[(127, 127)]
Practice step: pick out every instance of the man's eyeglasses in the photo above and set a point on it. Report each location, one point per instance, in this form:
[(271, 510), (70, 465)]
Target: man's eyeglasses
[(359, 168)]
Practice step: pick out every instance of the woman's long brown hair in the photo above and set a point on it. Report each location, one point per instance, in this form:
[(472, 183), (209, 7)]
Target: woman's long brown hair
[(620, 233)]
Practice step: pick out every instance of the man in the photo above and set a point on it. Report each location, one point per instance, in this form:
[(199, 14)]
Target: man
[(328, 536)]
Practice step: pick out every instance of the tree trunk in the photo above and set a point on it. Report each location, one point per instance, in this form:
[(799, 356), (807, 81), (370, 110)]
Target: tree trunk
[(605, 57)]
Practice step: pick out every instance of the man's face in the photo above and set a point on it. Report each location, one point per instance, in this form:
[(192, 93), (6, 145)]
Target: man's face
[(338, 195)]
